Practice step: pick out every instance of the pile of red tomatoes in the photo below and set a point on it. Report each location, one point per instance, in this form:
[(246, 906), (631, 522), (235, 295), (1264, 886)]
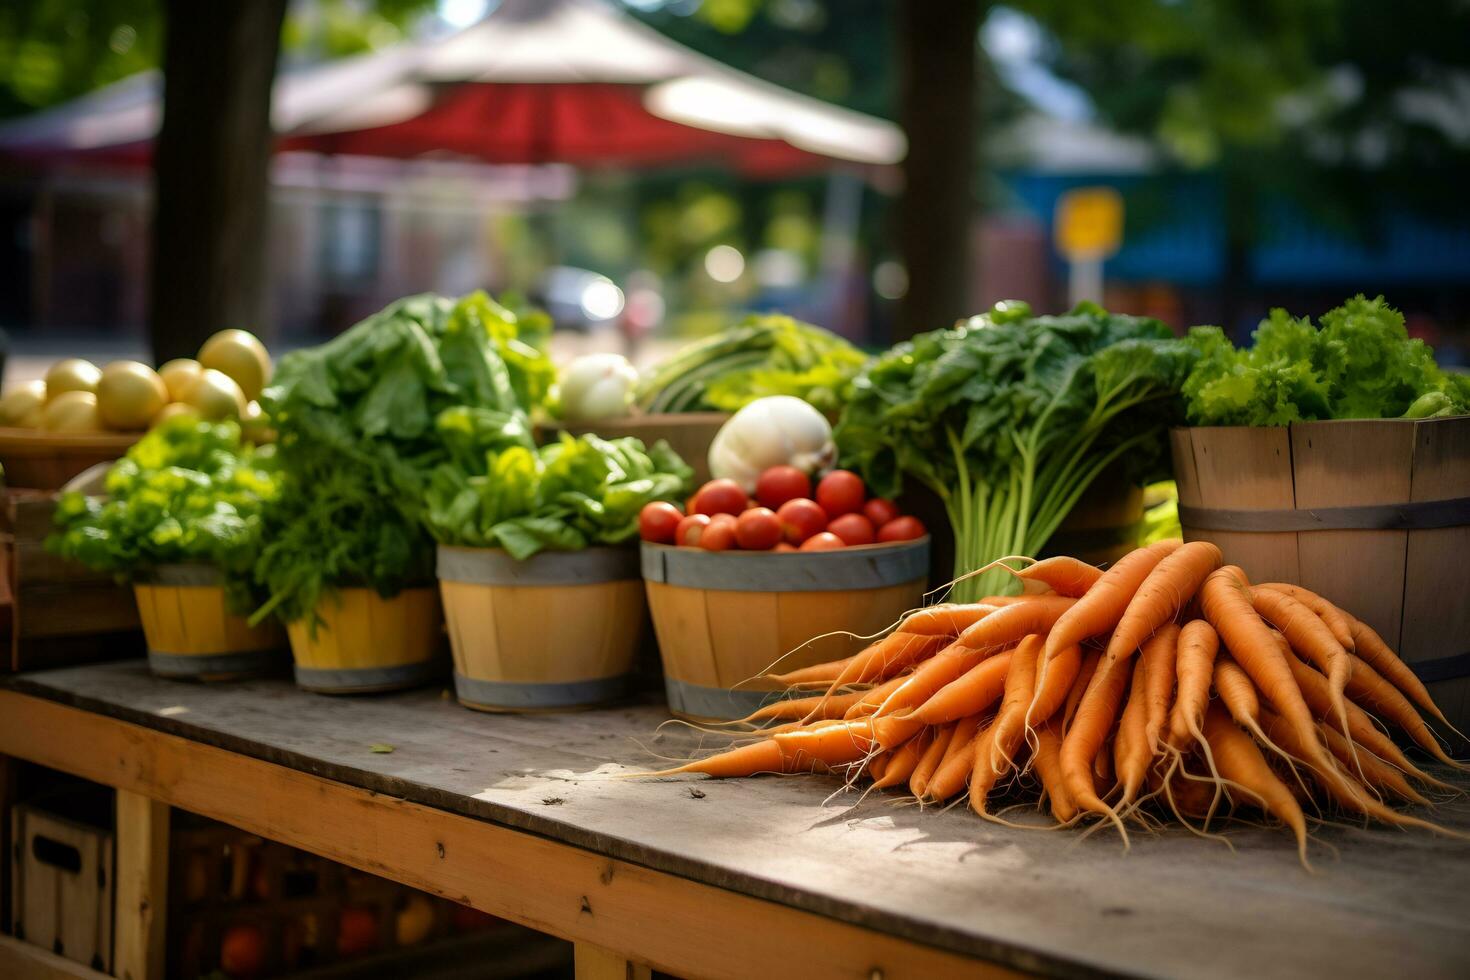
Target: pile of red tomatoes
[(785, 515)]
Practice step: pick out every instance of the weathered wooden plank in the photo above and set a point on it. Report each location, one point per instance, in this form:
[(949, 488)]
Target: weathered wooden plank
[(649, 917), (141, 887), (1043, 901)]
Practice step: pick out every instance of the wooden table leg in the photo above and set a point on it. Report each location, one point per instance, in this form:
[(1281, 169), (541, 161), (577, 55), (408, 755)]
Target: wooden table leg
[(142, 887), (7, 801), (598, 963)]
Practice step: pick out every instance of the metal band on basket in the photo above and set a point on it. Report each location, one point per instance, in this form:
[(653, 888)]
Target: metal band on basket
[(839, 570), (1408, 516), (562, 694), (715, 702), (492, 566)]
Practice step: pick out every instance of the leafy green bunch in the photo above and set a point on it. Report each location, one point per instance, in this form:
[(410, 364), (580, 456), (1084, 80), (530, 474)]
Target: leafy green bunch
[(764, 354), (569, 495), (358, 439), (1010, 417), (188, 491), (1361, 364)]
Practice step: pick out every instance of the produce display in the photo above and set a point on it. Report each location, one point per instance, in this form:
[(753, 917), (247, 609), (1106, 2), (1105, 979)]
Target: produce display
[(1165, 688), (571, 494), (358, 419), (129, 396), (772, 431), (1360, 364), (786, 514), (1010, 417), (765, 354), (188, 491)]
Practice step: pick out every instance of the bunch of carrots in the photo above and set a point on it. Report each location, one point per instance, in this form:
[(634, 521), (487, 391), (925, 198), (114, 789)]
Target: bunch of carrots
[(1168, 684)]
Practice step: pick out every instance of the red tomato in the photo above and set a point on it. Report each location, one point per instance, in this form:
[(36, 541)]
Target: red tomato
[(729, 519), (689, 529), (758, 529), (784, 546), (719, 536), (658, 521), (826, 541), (242, 951), (800, 519), (879, 511), (719, 497), (901, 529), (357, 931), (852, 529), (841, 492), (780, 484)]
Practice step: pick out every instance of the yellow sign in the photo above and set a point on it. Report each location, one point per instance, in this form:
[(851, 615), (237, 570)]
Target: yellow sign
[(1089, 223)]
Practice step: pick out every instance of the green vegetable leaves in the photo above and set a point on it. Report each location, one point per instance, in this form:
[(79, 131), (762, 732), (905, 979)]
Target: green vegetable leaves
[(1009, 418), (188, 491), (571, 494), (1360, 364), (365, 419), (765, 354)]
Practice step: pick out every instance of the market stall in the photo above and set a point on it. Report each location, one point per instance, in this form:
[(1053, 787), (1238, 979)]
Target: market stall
[(1018, 763)]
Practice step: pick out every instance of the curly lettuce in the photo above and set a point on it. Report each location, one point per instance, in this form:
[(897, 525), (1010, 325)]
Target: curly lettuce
[(1360, 364)]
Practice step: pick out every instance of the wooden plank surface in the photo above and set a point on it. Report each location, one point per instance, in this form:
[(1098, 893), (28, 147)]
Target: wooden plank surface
[(648, 917), (22, 961), (1388, 904)]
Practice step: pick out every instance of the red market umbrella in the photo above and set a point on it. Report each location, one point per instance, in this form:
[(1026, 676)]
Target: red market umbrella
[(538, 81)]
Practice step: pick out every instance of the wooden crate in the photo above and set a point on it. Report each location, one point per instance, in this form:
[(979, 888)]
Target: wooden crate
[(60, 612), (61, 888), (40, 460), (1369, 513)]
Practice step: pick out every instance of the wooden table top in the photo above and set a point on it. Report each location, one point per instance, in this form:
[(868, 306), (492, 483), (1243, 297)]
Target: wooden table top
[(1387, 903)]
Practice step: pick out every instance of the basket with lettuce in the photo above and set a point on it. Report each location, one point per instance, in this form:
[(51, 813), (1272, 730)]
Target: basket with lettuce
[(182, 520), (542, 588), (1336, 455), (346, 545)]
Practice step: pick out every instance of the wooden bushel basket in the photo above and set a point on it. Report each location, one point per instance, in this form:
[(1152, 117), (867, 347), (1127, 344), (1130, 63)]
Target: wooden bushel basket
[(558, 630), (1372, 514), (191, 632), (364, 643), (42, 460), (724, 618)]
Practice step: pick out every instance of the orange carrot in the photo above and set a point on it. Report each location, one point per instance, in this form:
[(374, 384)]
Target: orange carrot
[(866, 702), (1079, 687), (1335, 618), (953, 769), (1084, 739), (946, 619), (1195, 666), (903, 760), (983, 773), (980, 641), (1377, 654), (878, 765), (1306, 632), (1105, 602), (1368, 689), (929, 761), (1060, 681), (1376, 772), (1063, 575), (1226, 602), (1160, 654), (1338, 784), (972, 692), (1166, 590), (1010, 720), (1048, 765), (1360, 726), (817, 673), (1131, 755), (1240, 761)]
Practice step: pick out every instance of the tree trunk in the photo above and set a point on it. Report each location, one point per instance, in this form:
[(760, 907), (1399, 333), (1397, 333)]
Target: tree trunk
[(938, 103), (211, 165)]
